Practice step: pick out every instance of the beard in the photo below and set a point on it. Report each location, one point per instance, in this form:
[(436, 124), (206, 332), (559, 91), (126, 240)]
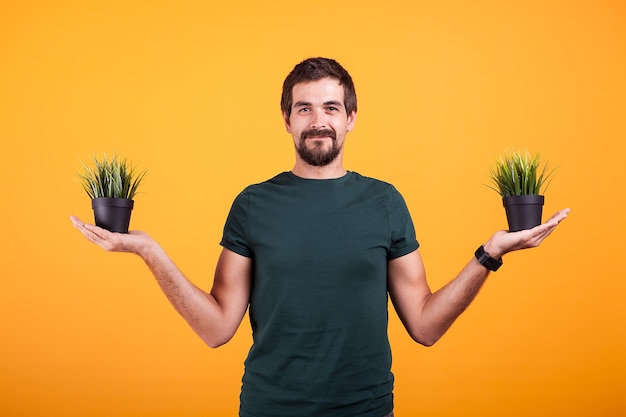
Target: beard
[(317, 155)]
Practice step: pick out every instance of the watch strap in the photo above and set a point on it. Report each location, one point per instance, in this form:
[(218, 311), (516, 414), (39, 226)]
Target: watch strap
[(486, 260)]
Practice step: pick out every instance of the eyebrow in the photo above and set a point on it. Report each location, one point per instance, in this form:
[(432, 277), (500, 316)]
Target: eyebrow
[(335, 103)]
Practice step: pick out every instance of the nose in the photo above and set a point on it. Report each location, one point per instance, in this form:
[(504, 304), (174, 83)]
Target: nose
[(318, 120)]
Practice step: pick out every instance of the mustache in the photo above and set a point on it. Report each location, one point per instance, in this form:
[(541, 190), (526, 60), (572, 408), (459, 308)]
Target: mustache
[(318, 133)]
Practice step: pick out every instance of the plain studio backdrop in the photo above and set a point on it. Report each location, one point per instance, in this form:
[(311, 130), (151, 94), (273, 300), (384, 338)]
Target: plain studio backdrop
[(190, 91)]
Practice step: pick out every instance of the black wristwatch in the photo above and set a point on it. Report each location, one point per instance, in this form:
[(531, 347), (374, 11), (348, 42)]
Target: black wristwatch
[(487, 261)]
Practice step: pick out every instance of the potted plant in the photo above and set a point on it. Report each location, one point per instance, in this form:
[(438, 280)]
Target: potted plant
[(520, 182), (111, 184)]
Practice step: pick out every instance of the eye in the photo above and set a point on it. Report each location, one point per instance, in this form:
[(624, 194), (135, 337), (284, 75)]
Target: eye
[(304, 109), (332, 109)]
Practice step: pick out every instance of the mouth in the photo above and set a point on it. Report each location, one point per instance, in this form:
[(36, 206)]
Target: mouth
[(319, 134)]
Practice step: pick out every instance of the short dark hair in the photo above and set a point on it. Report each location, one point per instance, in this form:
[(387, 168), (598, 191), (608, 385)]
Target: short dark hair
[(313, 69)]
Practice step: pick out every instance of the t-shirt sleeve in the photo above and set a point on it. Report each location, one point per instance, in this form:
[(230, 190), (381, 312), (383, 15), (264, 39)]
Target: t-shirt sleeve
[(235, 236), (402, 231)]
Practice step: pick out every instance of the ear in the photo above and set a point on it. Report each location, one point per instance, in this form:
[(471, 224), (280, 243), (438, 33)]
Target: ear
[(351, 120), (287, 122)]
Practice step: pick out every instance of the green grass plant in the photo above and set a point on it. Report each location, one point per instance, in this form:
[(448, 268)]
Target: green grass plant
[(519, 173), (112, 178)]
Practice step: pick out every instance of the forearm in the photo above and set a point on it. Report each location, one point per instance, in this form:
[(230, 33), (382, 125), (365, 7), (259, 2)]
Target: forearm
[(427, 315), (444, 306), (198, 308)]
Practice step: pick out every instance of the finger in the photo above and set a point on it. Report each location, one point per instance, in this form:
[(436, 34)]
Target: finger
[(548, 226), (100, 236), (93, 233), (559, 216), (76, 221), (83, 227), (543, 231), (89, 233)]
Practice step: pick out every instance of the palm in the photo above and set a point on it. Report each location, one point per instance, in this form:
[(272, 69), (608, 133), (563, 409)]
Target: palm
[(131, 242), (524, 239)]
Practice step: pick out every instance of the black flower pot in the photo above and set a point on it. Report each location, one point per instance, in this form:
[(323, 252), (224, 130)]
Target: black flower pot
[(523, 211), (112, 214)]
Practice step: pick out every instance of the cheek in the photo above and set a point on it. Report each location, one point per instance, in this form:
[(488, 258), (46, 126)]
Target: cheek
[(341, 127), (296, 129)]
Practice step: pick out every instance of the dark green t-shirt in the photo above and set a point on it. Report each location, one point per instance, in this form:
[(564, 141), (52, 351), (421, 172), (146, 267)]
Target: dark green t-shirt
[(318, 306)]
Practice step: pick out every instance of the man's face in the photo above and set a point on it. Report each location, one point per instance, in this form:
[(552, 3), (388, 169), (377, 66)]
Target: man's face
[(318, 121)]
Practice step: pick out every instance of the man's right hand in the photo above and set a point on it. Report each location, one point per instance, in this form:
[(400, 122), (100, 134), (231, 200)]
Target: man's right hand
[(133, 242)]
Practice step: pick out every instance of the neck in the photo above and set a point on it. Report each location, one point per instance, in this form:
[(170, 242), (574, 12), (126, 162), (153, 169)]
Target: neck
[(327, 172)]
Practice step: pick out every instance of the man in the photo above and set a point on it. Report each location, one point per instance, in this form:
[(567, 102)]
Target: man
[(313, 253)]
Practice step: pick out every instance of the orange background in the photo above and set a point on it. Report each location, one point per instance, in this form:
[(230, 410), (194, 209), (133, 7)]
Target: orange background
[(190, 91)]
